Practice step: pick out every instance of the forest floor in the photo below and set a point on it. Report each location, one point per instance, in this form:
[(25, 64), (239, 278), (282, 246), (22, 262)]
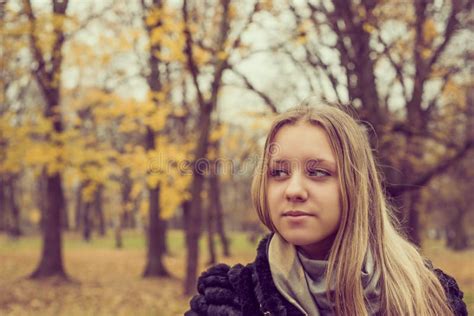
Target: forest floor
[(107, 281)]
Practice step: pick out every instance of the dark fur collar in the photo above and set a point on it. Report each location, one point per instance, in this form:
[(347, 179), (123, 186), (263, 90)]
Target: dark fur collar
[(270, 299)]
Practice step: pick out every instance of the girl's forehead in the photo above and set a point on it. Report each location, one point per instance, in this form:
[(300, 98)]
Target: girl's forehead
[(301, 142)]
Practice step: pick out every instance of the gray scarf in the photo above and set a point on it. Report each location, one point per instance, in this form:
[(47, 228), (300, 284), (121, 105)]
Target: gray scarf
[(302, 281)]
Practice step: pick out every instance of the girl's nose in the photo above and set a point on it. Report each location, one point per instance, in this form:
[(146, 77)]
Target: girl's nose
[(296, 191)]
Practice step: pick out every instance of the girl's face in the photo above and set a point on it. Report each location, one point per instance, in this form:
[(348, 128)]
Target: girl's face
[(303, 193)]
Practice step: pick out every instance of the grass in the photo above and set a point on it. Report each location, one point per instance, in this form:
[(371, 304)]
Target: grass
[(107, 281)]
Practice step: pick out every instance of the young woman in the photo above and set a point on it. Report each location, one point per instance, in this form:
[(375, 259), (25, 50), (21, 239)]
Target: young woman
[(334, 248)]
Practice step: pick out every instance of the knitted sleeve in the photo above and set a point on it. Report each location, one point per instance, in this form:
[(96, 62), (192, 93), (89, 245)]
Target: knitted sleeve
[(453, 293), (216, 296)]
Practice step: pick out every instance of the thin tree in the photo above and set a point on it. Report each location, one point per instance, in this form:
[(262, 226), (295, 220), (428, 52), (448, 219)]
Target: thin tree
[(156, 246), (220, 48)]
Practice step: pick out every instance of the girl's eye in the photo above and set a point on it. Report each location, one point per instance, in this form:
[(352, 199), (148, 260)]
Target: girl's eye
[(319, 173), (278, 173)]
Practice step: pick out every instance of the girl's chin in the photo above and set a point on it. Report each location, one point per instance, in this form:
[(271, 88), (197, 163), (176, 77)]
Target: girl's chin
[(299, 239)]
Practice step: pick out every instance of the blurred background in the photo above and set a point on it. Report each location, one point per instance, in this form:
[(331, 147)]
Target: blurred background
[(130, 129)]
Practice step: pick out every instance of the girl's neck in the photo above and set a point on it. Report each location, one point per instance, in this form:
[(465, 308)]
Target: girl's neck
[(319, 250)]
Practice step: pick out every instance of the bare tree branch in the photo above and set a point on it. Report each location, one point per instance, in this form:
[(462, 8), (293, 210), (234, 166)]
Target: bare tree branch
[(397, 67), (41, 76), (90, 19), (188, 51), (449, 31), (261, 94), (303, 70), (446, 78), (427, 176), (248, 22), (312, 57)]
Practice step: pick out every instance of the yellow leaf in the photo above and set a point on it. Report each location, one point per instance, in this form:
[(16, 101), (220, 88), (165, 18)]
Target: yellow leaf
[(222, 55), (201, 56), (153, 17), (35, 216), (429, 31), (368, 27), (302, 39), (156, 35), (88, 192), (426, 53)]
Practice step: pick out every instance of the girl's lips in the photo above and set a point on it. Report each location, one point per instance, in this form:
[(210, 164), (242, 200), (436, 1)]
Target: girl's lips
[(296, 213)]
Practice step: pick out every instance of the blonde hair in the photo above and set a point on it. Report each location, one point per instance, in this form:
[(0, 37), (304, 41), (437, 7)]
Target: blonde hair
[(407, 286)]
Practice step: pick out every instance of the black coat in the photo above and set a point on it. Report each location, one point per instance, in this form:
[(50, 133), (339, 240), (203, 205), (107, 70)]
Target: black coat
[(249, 290)]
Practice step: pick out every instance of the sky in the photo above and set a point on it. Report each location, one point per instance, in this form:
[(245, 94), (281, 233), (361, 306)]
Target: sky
[(269, 72)]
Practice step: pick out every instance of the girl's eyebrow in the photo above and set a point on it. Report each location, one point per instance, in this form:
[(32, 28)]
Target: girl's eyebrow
[(316, 161), (320, 161), (279, 161)]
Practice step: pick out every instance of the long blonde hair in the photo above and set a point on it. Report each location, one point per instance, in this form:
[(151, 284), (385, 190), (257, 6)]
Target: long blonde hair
[(407, 286)]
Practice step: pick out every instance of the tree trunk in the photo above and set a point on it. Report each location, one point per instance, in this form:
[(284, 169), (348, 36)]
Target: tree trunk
[(78, 208), (217, 205), (125, 192), (2, 204), (193, 218), (48, 76), (192, 251), (51, 263), (14, 230), (86, 222), (156, 232), (10, 211), (156, 226), (99, 209), (456, 236), (206, 107), (210, 234), (413, 222), (118, 233)]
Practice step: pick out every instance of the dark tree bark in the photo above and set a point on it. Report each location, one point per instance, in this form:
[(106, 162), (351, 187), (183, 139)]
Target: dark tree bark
[(2, 204), (156, 226), (51, 263), (119, 222), (48, 77), (87, 222), (126, 220), (14, 230), (413, 217), (216, 205), (456, 235), (118, 236), (98, 205), (3, 211), (78, 209), (156, 238), (206, 106), (193, 218), (210, 211), (10, 211)]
